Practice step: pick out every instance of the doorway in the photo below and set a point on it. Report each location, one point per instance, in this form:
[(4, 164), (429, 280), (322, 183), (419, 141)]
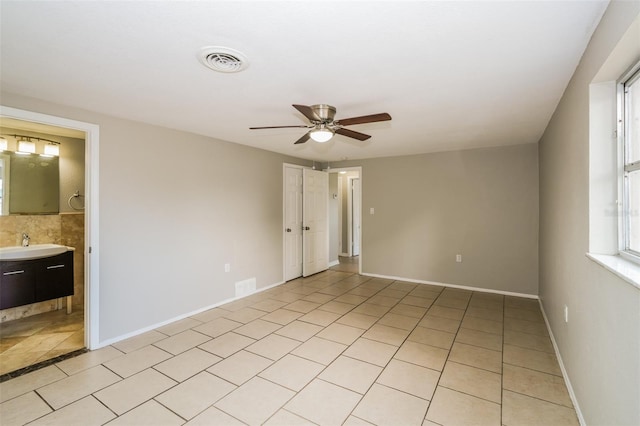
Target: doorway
[(346, 216), (306, 236), (85, 305)]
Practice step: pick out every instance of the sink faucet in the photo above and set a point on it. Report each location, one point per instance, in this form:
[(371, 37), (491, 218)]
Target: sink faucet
[(25, 239)]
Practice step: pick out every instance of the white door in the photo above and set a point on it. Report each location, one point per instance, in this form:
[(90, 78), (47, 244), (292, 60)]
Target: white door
[(292, 223), (356, 199), (315, 240)]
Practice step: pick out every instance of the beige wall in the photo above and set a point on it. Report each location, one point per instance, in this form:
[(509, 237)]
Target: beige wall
[(174, 208), (600, 345), (480, 203)]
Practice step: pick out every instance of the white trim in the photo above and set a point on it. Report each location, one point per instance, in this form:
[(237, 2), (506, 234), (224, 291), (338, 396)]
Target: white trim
[(623, 268), (92, 222), (462, 287), (334, 263), (350, 214), (182, 316), (344, 254), (572, 394)]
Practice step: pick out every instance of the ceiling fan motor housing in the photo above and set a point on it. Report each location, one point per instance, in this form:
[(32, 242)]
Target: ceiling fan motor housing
[(324, 112)]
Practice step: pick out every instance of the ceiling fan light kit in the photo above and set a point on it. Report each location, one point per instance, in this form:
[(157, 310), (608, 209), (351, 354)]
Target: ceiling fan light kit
[(323, 126), (321, 135)]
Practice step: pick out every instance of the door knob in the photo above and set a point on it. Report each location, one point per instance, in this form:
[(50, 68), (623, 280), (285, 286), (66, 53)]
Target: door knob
[(288, 229), (306, 228)]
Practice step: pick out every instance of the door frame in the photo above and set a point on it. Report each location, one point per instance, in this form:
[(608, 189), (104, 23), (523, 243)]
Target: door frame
[(91, 229), (349, 222)]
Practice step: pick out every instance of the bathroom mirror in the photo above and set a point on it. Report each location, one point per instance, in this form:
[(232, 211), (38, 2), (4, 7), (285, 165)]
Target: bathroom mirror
[(33, 184)]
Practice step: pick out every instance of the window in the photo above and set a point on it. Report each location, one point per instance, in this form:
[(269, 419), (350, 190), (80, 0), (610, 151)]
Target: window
[(630, 131)]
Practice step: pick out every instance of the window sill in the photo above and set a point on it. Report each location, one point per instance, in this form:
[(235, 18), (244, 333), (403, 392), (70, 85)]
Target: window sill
[(625, 269)]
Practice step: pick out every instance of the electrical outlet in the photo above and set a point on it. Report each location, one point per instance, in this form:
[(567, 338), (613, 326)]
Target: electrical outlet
[(372, 210), (566, 313), (459, 258), (227, 267)]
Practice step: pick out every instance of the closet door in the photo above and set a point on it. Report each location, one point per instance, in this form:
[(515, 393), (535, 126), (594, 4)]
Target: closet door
[(292, 223), (315, 218)]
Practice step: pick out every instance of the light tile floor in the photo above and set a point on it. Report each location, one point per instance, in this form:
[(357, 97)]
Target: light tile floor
[(335, 348)]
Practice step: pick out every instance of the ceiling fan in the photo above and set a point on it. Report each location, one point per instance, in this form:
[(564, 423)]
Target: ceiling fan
[(323, 126)]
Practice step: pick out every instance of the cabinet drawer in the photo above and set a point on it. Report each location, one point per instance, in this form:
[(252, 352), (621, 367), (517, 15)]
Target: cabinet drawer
[(54, 277), (16, 284)]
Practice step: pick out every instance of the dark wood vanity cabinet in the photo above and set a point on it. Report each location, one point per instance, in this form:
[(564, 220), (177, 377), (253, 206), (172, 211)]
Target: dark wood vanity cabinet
[(29, 281)]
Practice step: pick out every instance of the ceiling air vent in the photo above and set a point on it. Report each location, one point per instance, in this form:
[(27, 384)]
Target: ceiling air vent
[(223, 59)]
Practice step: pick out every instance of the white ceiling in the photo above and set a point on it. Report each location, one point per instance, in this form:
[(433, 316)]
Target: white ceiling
[(453, 75)]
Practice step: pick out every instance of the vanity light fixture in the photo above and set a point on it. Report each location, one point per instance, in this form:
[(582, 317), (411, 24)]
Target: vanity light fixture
[(26, 146), (52, 149), (4, 143)]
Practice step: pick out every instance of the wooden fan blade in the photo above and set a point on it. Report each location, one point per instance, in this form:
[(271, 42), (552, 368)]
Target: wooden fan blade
[(364, 119), (303, 139), (307, 112), (277, 127), (352, 134)]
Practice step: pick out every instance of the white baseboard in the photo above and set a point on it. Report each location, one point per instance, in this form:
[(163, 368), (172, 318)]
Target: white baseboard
[(462, 287), (572, 394), (179, 317), (334, 263)]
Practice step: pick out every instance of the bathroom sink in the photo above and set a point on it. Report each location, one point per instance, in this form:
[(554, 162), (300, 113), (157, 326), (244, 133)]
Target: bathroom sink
[(35, 251)]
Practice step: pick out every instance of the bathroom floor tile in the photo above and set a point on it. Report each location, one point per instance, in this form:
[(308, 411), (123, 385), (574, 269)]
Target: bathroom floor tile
[(140, 341), (245, 315), (179, 326), (87, 411), (439, 323), (398, 321)]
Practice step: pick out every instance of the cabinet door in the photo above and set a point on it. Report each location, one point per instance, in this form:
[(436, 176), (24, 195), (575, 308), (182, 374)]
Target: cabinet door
[(16, 284), (54, 277)]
